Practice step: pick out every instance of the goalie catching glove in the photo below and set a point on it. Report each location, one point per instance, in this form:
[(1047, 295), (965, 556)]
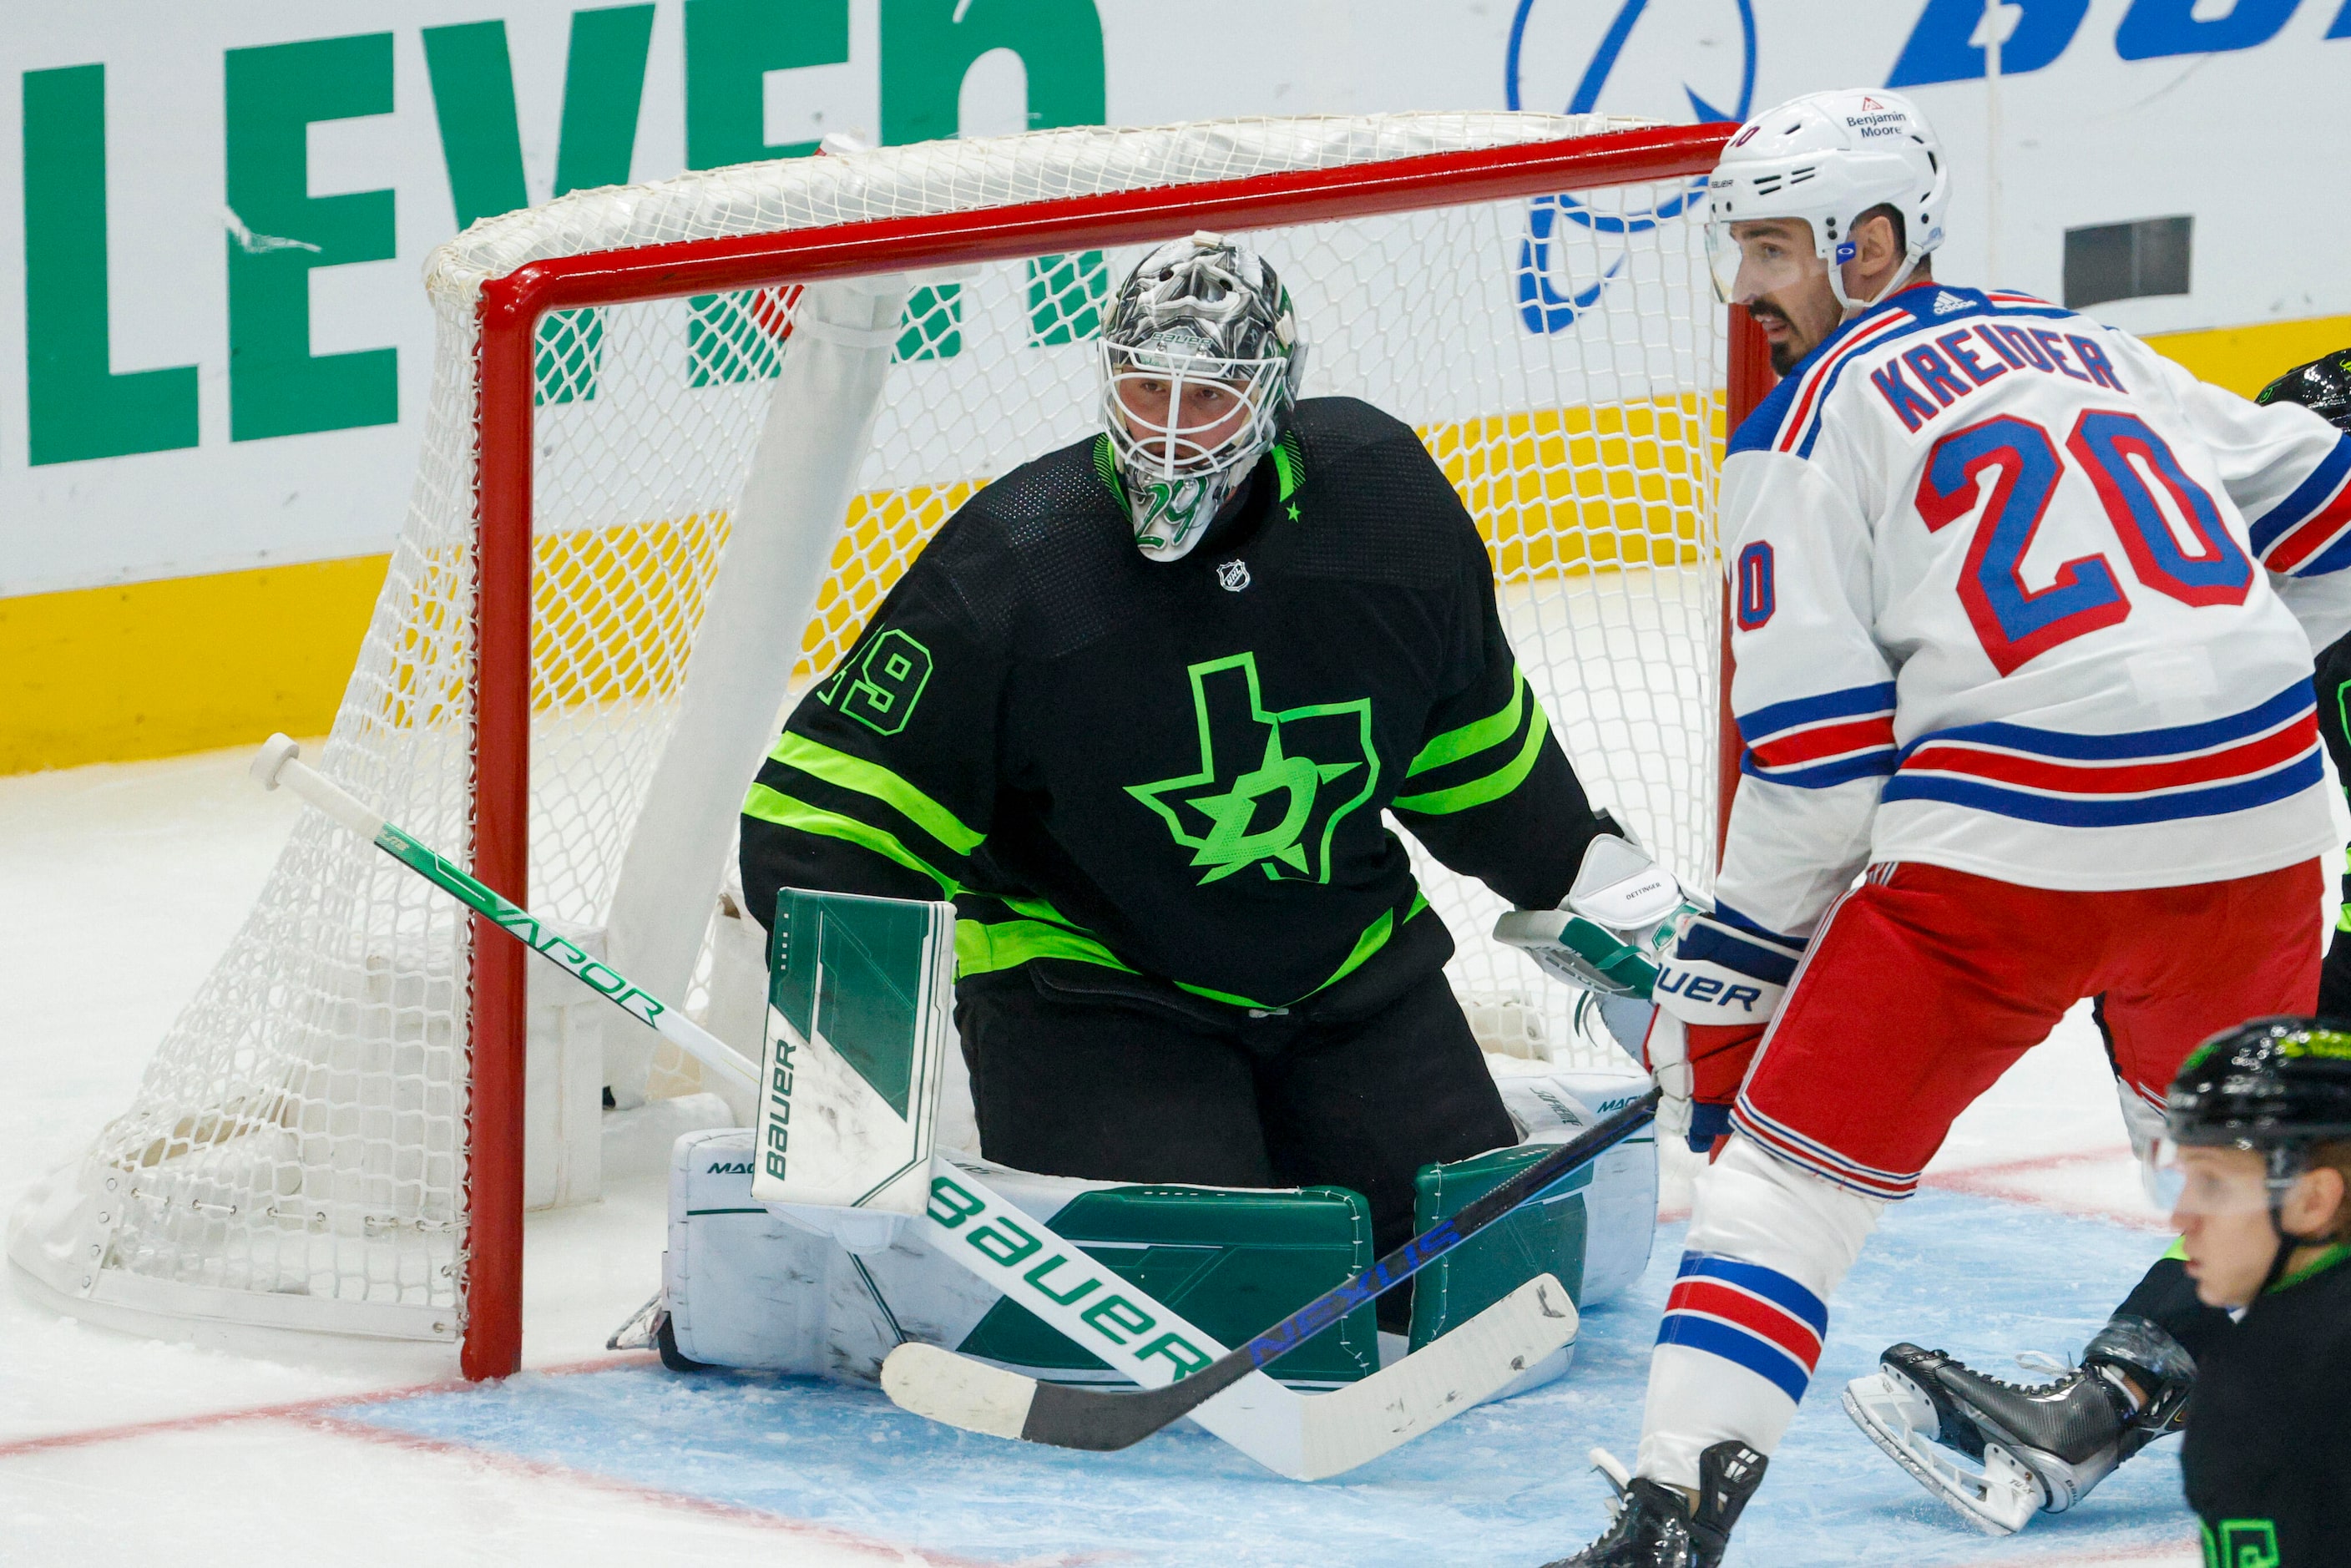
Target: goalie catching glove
[(1627, 928)]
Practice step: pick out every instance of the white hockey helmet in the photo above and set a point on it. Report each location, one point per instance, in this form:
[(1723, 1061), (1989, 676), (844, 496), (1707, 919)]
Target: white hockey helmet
[(1827, 158)]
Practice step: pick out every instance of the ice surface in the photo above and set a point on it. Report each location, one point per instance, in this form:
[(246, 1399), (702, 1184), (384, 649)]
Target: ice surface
[(119, 884), (1500, 1485)]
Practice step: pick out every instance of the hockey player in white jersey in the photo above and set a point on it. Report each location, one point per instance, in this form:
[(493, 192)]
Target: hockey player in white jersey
[(2023, 619), (1999, 1451)]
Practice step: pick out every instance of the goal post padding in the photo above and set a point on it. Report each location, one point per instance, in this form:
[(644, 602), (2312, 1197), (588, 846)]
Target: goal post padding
[(640, 393)]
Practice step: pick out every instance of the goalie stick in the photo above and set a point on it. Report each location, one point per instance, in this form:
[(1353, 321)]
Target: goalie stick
[(280, 763), (982, 1398), (1302, 1436)]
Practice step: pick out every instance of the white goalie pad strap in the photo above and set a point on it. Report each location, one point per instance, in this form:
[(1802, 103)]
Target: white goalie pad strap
[(1718, 973), (1577, 951)]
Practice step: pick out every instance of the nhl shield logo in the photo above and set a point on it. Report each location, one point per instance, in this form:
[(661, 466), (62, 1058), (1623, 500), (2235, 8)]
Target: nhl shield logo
[(1233, 576)]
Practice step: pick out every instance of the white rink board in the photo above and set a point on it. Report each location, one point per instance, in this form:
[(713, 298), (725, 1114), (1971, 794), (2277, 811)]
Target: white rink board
[(2087, 137)]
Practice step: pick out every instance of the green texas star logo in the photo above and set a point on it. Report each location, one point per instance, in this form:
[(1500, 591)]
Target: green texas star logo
[(1272, 788)]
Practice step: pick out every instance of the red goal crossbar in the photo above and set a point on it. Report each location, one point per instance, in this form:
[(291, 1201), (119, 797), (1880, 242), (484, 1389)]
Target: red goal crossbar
[(508, 314)]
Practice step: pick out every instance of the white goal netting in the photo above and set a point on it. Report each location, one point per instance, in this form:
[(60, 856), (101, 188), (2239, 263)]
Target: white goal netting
[(298, 1151)]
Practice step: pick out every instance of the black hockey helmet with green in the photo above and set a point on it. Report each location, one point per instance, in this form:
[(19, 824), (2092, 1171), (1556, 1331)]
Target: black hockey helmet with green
[(2274, 1086), (2321, 386), (2272, 1083)]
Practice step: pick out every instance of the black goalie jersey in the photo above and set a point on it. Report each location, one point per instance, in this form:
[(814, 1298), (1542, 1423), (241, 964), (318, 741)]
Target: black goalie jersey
[(1140, 775)]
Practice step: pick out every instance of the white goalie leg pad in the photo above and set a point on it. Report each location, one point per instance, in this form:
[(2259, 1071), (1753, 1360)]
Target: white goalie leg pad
[(1996, 1496), (1768, 1245)]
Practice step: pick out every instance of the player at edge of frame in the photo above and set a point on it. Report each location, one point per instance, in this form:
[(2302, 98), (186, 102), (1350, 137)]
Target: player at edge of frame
[(1937, 1416), (1973, 794)]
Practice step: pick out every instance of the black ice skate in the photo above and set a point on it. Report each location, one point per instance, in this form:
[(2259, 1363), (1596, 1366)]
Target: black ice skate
[(2038, 1447), (1654, 1527)]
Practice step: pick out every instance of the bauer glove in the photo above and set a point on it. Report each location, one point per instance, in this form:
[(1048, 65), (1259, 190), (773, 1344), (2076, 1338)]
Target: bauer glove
[(1716, 991)]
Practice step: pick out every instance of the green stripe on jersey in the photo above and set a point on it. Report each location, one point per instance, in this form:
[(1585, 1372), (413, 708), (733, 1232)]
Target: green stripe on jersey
[(854, 773), (767, 805), (1476, 737), (1492, 786), (982, 948)]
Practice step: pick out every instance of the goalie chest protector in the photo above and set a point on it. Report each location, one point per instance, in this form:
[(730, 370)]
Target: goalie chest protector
[(1175, 771)]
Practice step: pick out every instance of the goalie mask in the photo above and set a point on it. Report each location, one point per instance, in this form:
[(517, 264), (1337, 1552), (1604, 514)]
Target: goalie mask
[(1200, 361)]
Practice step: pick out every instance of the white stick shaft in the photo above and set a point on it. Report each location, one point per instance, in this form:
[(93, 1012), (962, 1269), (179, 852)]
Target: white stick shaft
[(280, 763)]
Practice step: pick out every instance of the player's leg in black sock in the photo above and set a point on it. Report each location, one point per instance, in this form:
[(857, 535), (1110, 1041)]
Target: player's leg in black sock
[(2334, 975), (2165, 1296)]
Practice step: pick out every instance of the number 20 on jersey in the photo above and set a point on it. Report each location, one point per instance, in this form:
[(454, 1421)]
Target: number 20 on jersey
[(2118, 453)]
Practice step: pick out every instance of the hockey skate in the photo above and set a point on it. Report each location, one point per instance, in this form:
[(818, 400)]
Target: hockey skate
[(1650, 1526), (2035, 1448)]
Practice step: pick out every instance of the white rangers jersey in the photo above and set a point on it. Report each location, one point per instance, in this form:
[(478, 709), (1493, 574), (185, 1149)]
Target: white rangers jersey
[(2013, 594)]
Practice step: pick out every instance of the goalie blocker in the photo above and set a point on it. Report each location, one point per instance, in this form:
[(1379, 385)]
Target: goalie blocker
[(792, 1273)]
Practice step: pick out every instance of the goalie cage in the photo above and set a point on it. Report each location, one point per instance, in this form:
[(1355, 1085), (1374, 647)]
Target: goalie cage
[(667, 420)]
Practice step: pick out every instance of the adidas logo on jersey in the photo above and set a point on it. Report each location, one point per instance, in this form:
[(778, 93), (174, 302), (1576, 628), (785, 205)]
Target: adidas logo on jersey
[(1945, 303)]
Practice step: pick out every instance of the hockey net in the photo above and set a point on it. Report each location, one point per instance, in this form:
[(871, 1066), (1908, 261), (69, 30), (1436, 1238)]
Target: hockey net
[(327, 1138)]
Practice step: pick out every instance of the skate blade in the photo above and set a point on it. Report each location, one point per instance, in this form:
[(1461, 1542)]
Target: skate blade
[(1996, 1501), (1611, 1468)]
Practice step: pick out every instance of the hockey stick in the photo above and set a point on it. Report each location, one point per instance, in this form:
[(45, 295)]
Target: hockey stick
[(1264, 1420), (1303, 1437), (280, 762), (981, 1398)]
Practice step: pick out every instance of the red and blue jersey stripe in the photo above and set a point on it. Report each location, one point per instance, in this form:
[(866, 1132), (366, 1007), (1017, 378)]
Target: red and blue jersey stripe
[(1815, 742), (1819, 1158), (1748, 1315), (2267, 753), (2308, 534)]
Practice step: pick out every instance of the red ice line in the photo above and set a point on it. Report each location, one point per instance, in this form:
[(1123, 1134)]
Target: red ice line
[(1991, 1181), (296, 1410), (318, 1414)]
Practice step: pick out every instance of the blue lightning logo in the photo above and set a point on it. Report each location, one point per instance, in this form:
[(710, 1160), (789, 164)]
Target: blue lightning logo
[(1542, 305)]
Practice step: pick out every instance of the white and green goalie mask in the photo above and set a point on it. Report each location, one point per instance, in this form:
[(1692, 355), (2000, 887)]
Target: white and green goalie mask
[(1200, 361)]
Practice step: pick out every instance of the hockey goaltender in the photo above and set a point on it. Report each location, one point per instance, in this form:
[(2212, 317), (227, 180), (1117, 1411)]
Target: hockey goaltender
[(1139, 710)]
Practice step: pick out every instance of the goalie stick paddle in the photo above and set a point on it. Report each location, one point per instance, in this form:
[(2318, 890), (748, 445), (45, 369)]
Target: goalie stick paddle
[(1075, 1416), (280, 763)]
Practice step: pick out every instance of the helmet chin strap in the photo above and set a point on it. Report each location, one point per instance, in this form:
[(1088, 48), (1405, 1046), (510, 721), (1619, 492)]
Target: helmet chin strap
[(1893, 286), (2287, 1241)]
